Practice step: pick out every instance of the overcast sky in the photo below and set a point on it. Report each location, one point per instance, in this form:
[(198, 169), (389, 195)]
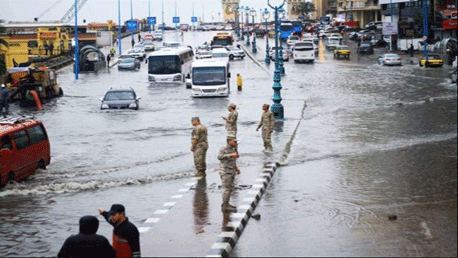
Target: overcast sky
[(102, 10)]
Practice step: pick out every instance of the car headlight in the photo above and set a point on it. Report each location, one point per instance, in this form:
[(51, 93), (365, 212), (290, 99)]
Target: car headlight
[(222, 89), (196, 90), (133, 105), (177, 78), (105, 106)]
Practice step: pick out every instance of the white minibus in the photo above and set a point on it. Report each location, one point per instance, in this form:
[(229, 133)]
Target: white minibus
[(170, 65), (210, 78), (304, 52)]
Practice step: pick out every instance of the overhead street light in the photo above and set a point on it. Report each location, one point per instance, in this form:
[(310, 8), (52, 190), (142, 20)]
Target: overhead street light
[(266, 16), (253, 15)]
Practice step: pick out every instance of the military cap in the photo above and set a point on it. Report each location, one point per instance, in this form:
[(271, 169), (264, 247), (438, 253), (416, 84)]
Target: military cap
[(195, 118)]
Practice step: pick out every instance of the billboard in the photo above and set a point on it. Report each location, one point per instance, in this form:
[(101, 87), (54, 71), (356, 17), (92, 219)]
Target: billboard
[(104, 38), (390, 28)]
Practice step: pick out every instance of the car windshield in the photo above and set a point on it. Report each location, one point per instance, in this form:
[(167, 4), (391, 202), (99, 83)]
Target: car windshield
[(343, 48), (391, 56), (149, 43), (430, 57), (233, 48), (135, 51), (127, 61), (164, 65), (209, 75), (334, 41), (294, 38), (365, 45), (119, 95)]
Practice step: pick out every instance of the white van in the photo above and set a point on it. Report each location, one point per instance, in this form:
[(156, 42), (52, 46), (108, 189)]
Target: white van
[(220, 53), (304, 52), (210, 78)]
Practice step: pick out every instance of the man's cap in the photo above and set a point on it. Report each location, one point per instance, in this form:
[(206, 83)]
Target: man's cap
[(233, 138), (115, 208), (195, 118), (232, 105), (266, 105)]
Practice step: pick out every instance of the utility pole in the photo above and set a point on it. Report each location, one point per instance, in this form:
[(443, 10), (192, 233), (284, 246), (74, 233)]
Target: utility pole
[(131, 17), (149, 15), (77, 58), (163, 23), (176, 25), (119, 27)]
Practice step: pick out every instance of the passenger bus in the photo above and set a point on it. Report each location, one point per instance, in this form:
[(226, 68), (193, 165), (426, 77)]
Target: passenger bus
[(170, 65), (286, 29), (297, 27), (210, 78), (222, 39), (304, 52)]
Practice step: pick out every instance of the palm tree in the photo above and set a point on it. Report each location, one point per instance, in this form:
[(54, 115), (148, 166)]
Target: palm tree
[(305, 9), (2, 61)]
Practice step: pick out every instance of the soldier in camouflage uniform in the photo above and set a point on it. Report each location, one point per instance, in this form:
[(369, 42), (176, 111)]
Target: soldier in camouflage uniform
[(199, 146), (231, 120), (228, 170), (267, 124)]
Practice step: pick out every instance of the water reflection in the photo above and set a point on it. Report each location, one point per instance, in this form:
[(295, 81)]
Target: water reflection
[(200, 206)]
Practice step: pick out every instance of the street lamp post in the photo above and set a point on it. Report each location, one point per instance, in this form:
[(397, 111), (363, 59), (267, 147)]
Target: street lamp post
[(281, 16), (425, 27), (266, 16), (247, 12), (77, 54), (277, 107), (119, 27), (253, 14), (241, 8), (236, 16), (131, 17)]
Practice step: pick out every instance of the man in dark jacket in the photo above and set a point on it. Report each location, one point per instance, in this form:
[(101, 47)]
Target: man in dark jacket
[(126, 238), (87, 243)]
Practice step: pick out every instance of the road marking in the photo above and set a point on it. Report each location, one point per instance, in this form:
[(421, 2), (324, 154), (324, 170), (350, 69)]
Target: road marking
[(152, 220), (143, 229), (161, 211), (169, 204), (177, 196)]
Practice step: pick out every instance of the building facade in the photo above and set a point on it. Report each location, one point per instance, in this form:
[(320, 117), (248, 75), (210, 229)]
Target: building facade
[(362, 11)]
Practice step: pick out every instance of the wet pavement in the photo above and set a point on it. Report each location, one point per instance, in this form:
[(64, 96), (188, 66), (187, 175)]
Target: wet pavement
[(374, 141)]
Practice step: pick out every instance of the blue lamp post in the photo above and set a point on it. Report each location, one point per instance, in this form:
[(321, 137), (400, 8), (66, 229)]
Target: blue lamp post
[(253, 14), (236, 12), (77, 54), (241, 8), (281, 16), (425, 26), (266, 16), (247, 12), (119, 27), (277, 107)]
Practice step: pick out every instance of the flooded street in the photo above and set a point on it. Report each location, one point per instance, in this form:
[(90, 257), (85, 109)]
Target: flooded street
[(374, 142)]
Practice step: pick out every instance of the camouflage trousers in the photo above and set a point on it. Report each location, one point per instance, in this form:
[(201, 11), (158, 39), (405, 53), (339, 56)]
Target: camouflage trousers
[(227, 183), (232, 132), (266, 138), (199, 159)]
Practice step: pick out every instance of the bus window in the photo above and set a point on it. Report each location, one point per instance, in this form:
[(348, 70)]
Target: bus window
[(164, 65)]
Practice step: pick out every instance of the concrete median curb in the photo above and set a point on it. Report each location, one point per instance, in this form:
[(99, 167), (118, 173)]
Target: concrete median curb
[(233, 229), (255, 61)]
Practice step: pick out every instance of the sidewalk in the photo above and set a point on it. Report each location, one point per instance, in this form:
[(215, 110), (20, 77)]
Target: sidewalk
[(191, 223)]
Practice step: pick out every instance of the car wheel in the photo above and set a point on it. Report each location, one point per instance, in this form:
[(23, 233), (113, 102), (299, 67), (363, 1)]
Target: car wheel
[(231, 57), (426, 64), (41, 164)]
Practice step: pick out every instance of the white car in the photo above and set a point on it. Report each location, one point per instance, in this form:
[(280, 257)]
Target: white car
[(137, 53), (332, 43), (292, 39), (235, 52), (157, 36), (203, 53), (148, 45), (315, 46)]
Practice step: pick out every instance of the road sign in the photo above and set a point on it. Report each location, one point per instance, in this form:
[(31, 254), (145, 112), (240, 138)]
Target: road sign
[(151, 20), (176, 19), (132, 25), (390, 28), (193, 19)]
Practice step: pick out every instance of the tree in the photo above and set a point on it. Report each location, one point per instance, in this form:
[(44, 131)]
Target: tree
[(305, 9)]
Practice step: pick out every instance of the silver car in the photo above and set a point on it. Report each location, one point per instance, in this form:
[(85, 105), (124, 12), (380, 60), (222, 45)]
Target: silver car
[(120, 99), (235, 52), (389, 59), (129, 63)]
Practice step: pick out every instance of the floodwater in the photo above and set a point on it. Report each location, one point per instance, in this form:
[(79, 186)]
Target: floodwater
[(382, 136)]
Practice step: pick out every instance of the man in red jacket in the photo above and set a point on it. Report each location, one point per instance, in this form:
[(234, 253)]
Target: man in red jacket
[(126, 238)]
